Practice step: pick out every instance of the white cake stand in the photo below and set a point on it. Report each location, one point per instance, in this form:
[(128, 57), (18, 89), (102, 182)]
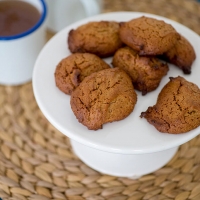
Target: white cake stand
[(128, 148)]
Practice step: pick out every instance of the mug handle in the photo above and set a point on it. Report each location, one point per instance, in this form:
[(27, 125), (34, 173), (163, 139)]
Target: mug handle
[(92, 7)]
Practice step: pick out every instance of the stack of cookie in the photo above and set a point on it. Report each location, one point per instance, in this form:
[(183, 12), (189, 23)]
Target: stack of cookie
[(99, 93), (140, 50)]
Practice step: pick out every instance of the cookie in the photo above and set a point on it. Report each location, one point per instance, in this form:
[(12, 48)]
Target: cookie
[(100, 38), (148, 36), (146, 72), (73, 69), (177, 109), (182, 54), (103, 97)]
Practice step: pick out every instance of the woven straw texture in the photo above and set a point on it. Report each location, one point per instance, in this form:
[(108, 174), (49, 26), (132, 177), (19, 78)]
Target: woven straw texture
[(37, 163)]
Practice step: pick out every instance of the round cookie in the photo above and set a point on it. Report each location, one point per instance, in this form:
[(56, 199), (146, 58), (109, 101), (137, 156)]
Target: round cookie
[(100, 38), (148, 36), (103, 97), (145, 72), (71, 70), (177, 109), (182, 54)]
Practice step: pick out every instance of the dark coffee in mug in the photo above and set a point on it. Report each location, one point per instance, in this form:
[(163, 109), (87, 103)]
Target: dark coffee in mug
[(17, 17)]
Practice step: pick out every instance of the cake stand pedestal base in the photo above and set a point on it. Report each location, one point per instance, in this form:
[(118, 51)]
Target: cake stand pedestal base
[(122, 165)]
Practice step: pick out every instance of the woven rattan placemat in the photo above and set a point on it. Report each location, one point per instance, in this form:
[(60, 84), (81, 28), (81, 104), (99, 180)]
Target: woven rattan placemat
[(36, 161)]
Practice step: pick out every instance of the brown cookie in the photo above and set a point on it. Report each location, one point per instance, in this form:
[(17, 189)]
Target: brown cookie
[(100, 38), (145, 72), (182, 54), (177, 109), (103, 97), (73, 69), (148, 36)]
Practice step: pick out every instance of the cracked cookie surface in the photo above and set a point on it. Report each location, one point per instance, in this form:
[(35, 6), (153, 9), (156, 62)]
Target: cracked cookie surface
[(182, 54), (177, 109), (100, 38), (145, 72), (71, 70), (148, 36), (103, 97)]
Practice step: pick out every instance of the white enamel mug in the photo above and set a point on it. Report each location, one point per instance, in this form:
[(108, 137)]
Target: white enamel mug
[(19, 52), (64, 12)]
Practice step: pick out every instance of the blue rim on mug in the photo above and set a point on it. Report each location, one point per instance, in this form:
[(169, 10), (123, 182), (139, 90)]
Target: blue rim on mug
[(39, 23)]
